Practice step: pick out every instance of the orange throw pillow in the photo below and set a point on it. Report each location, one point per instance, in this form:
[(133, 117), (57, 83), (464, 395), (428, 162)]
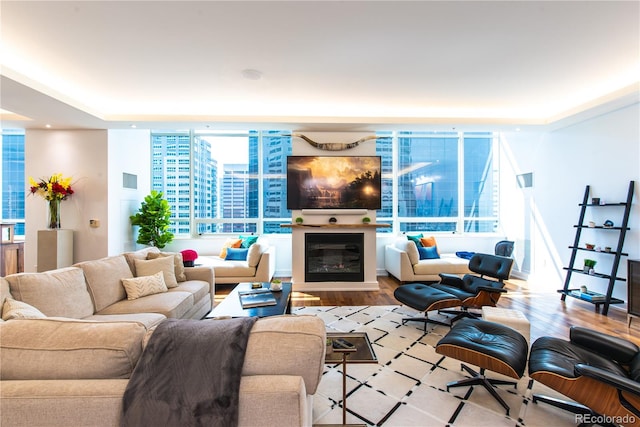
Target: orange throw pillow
[(428, 242), (230, 243)]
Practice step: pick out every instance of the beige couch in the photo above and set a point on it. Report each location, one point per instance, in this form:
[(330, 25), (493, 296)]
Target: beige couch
[(69, 372), (401, 260), (259, 266), (69, 366), (93, 290)]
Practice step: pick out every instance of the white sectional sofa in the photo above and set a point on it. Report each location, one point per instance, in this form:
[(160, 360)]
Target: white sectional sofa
[(402, 260), (259, 265)]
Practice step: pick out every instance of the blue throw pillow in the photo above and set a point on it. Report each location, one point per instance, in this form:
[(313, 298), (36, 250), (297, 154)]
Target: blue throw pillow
[(237, 254), (430, 252), (464, 254), (247, 241)]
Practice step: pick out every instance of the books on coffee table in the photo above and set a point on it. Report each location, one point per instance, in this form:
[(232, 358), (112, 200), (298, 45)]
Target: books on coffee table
[(256, 298)]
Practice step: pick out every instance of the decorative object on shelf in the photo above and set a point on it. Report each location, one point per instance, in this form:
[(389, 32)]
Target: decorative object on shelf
[(589, 245), (607, 248), (332, 146), (53, 217), (8, 231), (595, 200), (592, 224), (333, 220), (153, 217), (53, 189), (608, 224), (366, 220), (299, 220), (589, 264)]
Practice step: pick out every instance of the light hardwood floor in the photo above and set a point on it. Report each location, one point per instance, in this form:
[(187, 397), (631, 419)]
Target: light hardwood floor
[(547, 314)]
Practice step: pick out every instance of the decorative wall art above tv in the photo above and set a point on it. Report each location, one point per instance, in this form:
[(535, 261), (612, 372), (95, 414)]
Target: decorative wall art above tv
[(333, 182)]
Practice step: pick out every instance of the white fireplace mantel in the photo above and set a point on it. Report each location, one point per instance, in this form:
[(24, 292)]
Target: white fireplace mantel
[(298, 232)]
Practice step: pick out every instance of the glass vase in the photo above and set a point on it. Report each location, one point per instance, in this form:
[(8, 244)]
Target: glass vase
[(54, 215)]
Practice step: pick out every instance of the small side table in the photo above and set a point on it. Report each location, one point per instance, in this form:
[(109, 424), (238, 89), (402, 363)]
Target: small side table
[(363, 353)]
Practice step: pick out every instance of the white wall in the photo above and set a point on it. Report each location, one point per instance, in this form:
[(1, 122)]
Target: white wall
[(129, 152), (83, 156), (603, 152), (95, 159)]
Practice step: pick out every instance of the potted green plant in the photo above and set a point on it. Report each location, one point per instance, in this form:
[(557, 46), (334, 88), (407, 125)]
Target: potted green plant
[(366, 220), (589, 264), (153, 218), (299, 220)]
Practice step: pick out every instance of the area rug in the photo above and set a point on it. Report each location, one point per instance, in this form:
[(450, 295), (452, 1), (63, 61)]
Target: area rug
[(407, 387)]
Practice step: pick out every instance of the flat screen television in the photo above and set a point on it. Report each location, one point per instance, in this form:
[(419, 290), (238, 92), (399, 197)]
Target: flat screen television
[(334, 182)]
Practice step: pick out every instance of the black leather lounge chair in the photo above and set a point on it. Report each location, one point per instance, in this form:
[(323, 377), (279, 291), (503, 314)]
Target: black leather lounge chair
[(598, 371), (470, 291), (504, 248)]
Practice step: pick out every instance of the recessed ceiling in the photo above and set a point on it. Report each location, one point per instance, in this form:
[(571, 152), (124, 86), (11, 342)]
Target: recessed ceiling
[(345, 64)]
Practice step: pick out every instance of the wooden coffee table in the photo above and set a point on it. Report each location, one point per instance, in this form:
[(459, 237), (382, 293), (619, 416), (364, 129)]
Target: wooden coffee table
[(231, 307)]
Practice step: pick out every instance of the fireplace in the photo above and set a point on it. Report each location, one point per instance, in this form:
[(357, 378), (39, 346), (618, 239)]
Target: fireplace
[(333, 257)]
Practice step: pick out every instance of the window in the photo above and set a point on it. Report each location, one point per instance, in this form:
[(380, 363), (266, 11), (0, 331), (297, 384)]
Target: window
[(224, 174), (480, 183), (14, 187), (446, 182), (235, 181), (275, 149)]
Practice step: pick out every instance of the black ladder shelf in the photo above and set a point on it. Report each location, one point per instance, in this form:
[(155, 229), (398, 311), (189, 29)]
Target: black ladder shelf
[(598, 300)]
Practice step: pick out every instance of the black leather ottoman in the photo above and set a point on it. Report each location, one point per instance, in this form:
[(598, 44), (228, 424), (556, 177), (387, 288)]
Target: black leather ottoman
[(424, 298), (488, 345)]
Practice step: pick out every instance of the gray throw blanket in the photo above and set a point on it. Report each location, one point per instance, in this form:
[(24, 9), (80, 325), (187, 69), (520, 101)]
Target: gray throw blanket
[(188, 375)]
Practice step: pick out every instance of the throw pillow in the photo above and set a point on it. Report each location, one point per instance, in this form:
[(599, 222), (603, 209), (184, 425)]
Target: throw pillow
[(144, 285), (188, 257), (152, 266), (415, 239), (247, 240), (13, 309), (230, 243), (254, 254), (430, 252), (412, 252), (237, 254), (427, 242), (177, 263), (56, 293)]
